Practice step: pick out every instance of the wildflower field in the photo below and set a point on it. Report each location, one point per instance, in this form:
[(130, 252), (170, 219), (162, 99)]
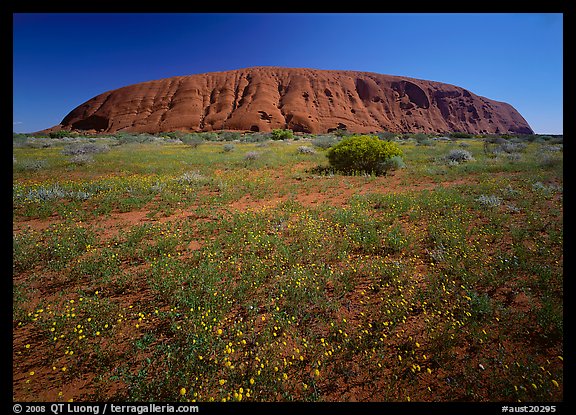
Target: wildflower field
[(241, 271)]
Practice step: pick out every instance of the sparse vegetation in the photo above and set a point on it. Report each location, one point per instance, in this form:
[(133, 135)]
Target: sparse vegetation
[(85, 148), (161, 272)]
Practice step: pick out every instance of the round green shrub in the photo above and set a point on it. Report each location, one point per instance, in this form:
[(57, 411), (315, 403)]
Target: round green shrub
[(363, 153), (279, 134)]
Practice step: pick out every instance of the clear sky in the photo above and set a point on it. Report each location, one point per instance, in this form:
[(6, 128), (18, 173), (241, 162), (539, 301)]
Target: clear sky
[(62, 60)]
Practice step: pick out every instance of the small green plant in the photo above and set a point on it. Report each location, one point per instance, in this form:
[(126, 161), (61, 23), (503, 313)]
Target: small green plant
[(363, 153), (279, 134)]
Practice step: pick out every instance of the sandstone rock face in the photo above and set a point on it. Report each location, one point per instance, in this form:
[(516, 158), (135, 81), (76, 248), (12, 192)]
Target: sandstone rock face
[(303, 100)]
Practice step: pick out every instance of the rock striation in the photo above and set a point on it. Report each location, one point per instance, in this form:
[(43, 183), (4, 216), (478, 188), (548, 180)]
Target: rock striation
[(303, 100)]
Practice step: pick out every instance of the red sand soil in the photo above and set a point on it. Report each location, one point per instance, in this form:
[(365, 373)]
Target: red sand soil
[(360, 387)]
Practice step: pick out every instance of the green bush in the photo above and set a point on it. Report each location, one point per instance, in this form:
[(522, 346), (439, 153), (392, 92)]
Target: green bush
[(62, 134), (192, 140), (279, 134), (363, 153), (230, 136), (386, 135), (459, 134)]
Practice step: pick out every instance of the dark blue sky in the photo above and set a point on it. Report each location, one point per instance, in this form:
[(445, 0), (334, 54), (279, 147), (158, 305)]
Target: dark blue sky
[(62, 60)]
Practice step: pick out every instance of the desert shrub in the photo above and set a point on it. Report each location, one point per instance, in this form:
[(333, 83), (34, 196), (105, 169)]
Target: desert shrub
[(489, 201), (209, 136), (34, 142), (191, 177), (279, 134), (19, 140), (363, 153), (386, 135), (340, 132), (459, 134), (251, 156), (131, 138), (230, 136), (158, 187), (556, 140), (31, 164), (423, 139), (546, 190), (394, 163), (19, 136), (305, 150), (514, 156), (510, 147), (45, 193), (256, 137), (53, 192), (62, 134), (425, 142), (553, 148), (173, 135), (459, 156), (228, 148), (509, 191), (85, 148), (325, 141), (549, 160), (192, 140), (81, 159)]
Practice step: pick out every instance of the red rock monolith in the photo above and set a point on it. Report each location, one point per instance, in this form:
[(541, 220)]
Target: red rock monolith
[(303, 100)]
